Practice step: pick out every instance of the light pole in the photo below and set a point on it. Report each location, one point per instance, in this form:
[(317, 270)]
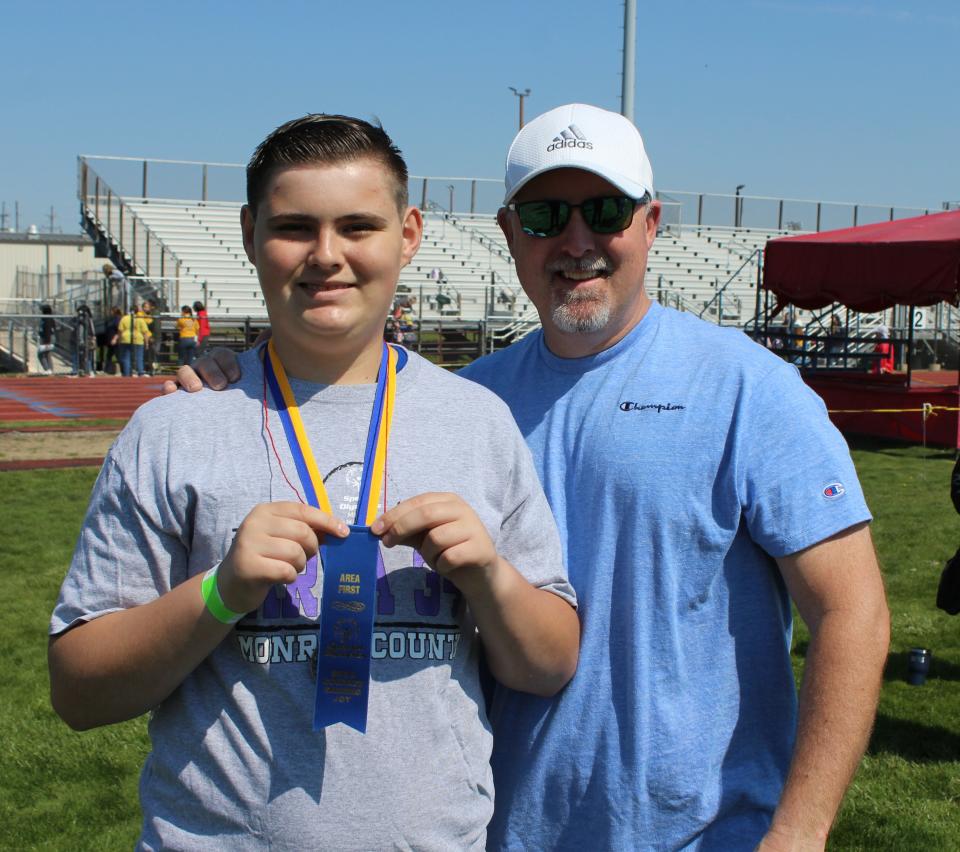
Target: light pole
[(520, 95), (450, 187), (737, 208), (629, 58)]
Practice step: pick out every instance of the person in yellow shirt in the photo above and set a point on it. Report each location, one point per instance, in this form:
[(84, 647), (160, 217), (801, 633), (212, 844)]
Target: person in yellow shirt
[(132, 334), (188, 328), (148, 312)]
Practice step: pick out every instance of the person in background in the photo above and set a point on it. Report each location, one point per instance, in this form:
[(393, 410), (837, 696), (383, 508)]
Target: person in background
[(203, 324), (151, 340), (883, 346), (45, 335), (798, 342), (113, 275), (187, 331), (834, 345), (948, 589), (132, 333), (668, 448), (84, 342), (100, 350), (117, 284), (111, 336)]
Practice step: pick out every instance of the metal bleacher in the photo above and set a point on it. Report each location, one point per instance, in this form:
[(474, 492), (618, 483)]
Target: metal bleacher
[(705, 260), (462, 253), (205, 240)]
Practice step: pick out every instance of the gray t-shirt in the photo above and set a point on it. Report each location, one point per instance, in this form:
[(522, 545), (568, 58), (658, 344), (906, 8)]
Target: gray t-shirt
[(235, 763)]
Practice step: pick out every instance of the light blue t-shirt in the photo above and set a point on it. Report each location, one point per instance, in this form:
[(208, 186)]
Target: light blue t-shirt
[(677, 463)]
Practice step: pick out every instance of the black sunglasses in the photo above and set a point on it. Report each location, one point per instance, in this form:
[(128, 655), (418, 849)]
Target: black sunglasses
[(606, 214)]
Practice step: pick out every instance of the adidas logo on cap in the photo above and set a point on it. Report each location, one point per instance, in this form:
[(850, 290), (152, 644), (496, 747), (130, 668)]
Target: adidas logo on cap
[(611, 148), (572, 137)]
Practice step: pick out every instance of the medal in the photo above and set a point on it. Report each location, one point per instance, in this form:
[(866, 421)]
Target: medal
[(349, 564)]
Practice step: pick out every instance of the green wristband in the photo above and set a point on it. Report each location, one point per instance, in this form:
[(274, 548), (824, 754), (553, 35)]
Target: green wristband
[(211, 597)]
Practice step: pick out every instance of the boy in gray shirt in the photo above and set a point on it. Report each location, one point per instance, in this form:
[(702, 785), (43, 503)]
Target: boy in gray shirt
[(195, 590)]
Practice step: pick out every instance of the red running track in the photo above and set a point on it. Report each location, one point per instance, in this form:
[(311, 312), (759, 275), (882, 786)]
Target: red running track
[(60, 398)]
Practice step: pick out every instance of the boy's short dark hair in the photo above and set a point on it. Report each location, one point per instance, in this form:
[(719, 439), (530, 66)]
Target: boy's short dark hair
[(319, 139)]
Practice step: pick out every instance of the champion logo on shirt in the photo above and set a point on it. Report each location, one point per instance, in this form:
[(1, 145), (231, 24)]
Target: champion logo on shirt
[(834, 490), (651, 406)]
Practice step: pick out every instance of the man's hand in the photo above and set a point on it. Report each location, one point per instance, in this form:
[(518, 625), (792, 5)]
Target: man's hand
[(217, 369), (446, 532), (272, 546)]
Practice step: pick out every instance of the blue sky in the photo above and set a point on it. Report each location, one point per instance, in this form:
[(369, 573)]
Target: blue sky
[(840, 101)]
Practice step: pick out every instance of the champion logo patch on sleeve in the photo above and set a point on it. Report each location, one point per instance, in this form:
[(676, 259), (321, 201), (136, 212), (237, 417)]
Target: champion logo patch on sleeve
[(834, 490)]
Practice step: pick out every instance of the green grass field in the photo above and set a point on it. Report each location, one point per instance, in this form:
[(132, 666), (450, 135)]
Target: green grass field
[(63, 790), (61, 424)]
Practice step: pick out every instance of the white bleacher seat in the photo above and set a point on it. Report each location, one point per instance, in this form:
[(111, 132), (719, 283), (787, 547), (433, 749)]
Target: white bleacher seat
[(471, 253)]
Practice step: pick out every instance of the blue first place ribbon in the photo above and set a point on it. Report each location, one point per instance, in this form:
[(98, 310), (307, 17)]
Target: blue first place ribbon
[(346, 629), (349, 564)]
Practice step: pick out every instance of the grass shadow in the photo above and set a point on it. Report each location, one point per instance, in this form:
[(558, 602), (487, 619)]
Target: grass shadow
[(905, 738), (894, 447), (913, 740)]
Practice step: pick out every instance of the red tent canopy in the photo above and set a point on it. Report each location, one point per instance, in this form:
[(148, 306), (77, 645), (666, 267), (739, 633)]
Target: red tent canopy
[(905, 262)]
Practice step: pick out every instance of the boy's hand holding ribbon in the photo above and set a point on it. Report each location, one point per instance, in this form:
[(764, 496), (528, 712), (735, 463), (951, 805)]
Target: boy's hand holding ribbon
[(448, 535), (272, 546), (454, 542)]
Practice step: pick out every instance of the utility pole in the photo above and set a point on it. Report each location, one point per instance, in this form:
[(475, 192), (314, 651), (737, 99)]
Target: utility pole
[(4, 216), (525, 93), (53, 217), (629, 58)]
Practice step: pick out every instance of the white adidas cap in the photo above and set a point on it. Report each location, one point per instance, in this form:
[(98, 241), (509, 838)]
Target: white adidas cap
[(580, 136)]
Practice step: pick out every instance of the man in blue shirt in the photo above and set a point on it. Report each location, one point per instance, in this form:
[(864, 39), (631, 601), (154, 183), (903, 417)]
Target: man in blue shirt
[(699, 487)]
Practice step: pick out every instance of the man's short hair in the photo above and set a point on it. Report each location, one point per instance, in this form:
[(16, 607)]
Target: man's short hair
[(320, 139)]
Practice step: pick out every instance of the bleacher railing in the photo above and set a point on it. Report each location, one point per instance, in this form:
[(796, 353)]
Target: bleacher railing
[(96, 291), (59, 288), (106, 184), (127, 234), (763, 213), (146, 177), (508, 288), (753, 260), (17, 340), (675, 299), (19, 333)]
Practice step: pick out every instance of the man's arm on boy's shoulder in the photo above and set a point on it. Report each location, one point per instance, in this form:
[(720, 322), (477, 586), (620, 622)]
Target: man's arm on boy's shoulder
[(217, 369), (531, 635), (125, 663)]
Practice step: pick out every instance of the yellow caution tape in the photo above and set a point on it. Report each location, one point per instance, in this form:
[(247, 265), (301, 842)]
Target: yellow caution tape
[(928, 409)]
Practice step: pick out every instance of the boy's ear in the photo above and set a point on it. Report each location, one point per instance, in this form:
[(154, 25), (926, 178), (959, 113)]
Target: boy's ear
[(247, 224), (412, 230)]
